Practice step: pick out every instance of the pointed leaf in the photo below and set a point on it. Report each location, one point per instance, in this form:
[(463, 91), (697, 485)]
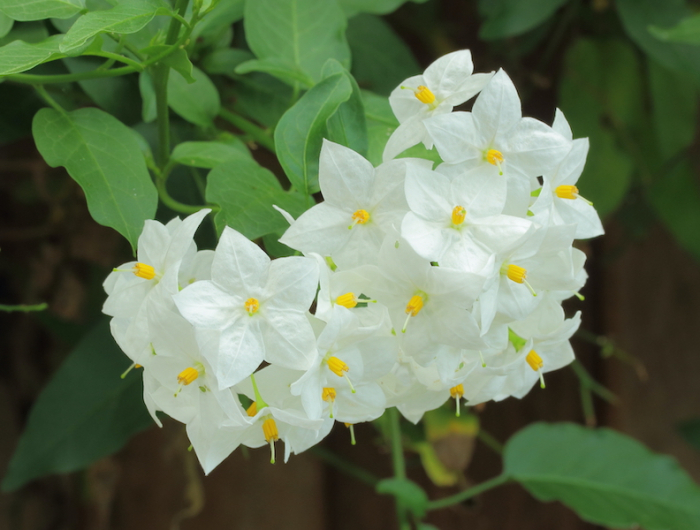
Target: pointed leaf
[(246, 191), (86, 412), (606, 477), (196, 102), (304, 33), (347, 126), (299, 134), (20, 56), (208, 154), (514, 17), (24, 10), (103, 156), (128, 16)]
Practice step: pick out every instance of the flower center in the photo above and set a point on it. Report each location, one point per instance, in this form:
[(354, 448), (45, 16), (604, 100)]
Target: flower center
[(424, 95), (252, 305), (187, 376), (340, 369), (457, 392), (495, 158), (458, 215), (144, 271), (413, 307), (566, 192), (348, 300), (360, 217), (518, 275), (269, 428), (328, 395), (536, 363)]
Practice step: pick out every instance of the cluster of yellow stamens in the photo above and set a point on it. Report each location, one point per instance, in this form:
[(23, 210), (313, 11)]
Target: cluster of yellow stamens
[(360, 217), (458, 215), (495, 158), (252, 305), (328, 395), (457, 392), (340, 369), (518, 275), (348, 300), (144, 271), (271, 435), (413, 307), (536, 363), (188, 375), (568, 191)]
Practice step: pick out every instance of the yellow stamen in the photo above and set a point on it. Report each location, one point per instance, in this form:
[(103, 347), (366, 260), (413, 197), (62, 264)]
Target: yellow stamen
[(566, 192), (187, 376), (252, 410), (415, 304), (424, 95), (536, 363), (457, 392), (252, 305), (495, 157), (271, 436), (516, 273), (348, 300), (360, 217), (519, 275), (458, 215), (144, 271), (328, 394), (337, 366)]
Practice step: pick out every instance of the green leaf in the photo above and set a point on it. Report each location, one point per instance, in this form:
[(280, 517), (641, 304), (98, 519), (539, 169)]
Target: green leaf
[(280, 68), (196, 102), (225, 60), (246, 191), (347, 126), (300, 132), (408, 494), (149, 112), (128, 16), (690, 430), (178, 60), (687, 30), (102, 155), (40, 9), (380, 58), (85, 413), (260, 97), (606, 477), (302, 33), (378, 7), (674, 109), (217, 21), (19, 56), (675, 198), (208, 154), (638, 15), (514, 17), (599, 94), (6, 24)]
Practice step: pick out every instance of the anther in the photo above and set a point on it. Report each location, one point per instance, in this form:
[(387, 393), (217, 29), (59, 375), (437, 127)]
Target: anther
[(271, 435), (458, 215), (567, 191), (252, 410), (348, 300), (495, 158), (536, 363), (187, 376), (457, 392), (360, 217), (413, 307), (339, 368), (424, 95), (144, 271), (519, 275), (252, 305)]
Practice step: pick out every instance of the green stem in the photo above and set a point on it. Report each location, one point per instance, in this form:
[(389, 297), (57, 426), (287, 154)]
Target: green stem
[(343, 465), (398, 461), (176, 205), (23, 308), (258, 134), (114, 57), (587, 380), (468, 493), (46, 97), (259, 401), (490, 441)]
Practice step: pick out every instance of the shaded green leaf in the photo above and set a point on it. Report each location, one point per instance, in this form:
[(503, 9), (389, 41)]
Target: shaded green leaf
[(280, 68), (86, 412), (102, 155), (675, 198), (599, 96), (606, 477), (347, 126), (6, 24), (302, 33), (225, 60), (378, 7), (380, 58), (299, 134), (149, 112), (217, 21), (246, 191), (687, 30), (128, 16), (178, 60), (208, 154), (408, 494), (674, 100), (196, 102), (638, 15), (40, 9), (260, 97), (690, 430), (514, 17), (20, 56)]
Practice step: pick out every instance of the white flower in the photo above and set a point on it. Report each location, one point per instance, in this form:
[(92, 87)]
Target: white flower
[(446, 83), (252, 309)]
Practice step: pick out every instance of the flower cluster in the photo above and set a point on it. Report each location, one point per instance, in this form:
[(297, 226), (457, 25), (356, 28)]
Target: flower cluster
[(428, 283)]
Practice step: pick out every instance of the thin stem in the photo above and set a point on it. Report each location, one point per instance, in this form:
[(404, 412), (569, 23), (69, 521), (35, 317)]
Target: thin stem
[(343, 465), (398, 461), (114, 57), (23, 308), (587, 380), (490, 442), (468, 493), (176, 205), (259, 135), (46, 97)]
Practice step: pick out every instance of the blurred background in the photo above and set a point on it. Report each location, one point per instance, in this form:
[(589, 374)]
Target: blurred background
[(631, 90)]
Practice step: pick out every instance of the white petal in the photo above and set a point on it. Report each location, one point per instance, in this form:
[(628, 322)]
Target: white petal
[(345, 176), (239, 266)]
